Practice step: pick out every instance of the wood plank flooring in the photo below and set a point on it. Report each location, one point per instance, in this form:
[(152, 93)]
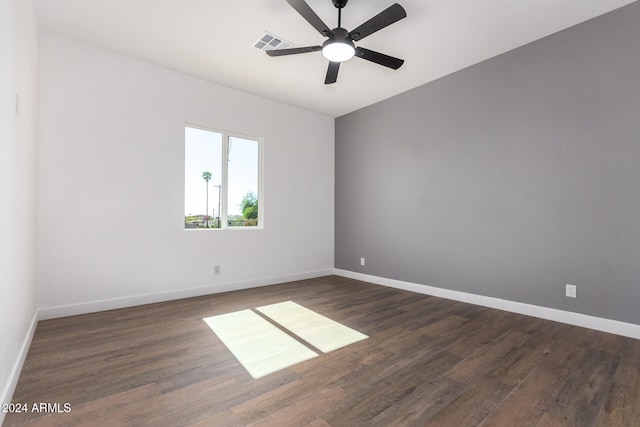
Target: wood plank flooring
[(428, 361)]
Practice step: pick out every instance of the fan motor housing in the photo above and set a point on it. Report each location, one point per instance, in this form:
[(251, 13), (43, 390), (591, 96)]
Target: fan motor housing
[(340, 3), (341, 35)]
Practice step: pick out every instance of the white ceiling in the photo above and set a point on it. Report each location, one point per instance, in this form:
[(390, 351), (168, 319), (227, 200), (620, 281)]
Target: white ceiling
[(213, 40)]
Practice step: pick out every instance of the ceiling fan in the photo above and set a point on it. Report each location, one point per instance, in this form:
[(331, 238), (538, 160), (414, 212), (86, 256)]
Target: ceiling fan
[(340, 45)]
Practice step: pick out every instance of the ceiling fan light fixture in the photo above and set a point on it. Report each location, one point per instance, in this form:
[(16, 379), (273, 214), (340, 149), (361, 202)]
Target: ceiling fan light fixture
[(339, 51), (340, 46)]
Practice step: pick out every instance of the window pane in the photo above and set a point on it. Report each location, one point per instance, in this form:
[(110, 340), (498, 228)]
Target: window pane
[(202, 178), (242, 203)]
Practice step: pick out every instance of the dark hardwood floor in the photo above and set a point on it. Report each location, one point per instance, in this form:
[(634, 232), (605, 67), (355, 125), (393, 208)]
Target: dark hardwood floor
[(428, 361)]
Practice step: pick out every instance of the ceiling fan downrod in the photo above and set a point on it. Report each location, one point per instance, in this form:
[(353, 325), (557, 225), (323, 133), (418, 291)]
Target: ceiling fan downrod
[(339, 4)]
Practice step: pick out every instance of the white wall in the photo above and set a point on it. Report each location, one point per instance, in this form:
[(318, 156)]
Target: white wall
[(112, 182), (18, 191)]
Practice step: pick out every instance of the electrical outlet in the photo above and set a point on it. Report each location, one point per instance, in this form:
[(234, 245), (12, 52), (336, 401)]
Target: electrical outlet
[(571, 291), (216, 269), (361, 261)]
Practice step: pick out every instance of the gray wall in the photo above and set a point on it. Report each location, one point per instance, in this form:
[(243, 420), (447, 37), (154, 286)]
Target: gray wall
[(507, 179)]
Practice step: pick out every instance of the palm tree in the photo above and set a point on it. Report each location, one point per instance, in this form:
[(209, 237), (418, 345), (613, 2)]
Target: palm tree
[(207, 177)]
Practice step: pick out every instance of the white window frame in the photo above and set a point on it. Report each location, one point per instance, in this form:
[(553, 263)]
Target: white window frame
[(224, 223)]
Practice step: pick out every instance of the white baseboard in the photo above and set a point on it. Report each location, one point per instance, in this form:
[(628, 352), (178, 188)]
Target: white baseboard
[(14, 375), (134, 300), (600, 324)]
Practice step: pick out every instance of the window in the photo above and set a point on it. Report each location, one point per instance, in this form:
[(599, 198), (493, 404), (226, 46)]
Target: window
[(222, 180)]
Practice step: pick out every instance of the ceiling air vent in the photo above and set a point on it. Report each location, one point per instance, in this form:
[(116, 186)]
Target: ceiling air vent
[(269, 41)]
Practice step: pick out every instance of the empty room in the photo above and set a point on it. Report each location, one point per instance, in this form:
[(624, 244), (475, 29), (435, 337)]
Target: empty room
[(319, 213)]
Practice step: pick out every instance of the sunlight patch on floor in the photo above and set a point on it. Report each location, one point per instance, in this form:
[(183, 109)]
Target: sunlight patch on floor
[(319, 331), (262, 348), (258, 345)]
